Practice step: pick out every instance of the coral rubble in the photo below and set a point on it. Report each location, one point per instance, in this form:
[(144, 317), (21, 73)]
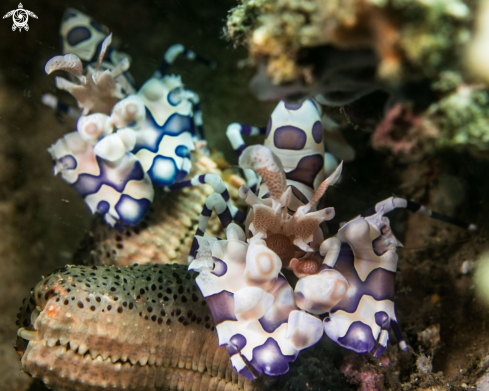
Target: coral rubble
[(412, 50)]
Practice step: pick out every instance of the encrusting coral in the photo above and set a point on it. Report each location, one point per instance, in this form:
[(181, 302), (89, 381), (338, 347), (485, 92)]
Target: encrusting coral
[(411, 38), (413, 51), (458, 119)]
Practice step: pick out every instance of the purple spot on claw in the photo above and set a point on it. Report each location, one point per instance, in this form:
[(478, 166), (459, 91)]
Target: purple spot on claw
[(236, 344), (317, 131), (182, 151), (268, 358), (270, 325), (359, 338), (68, 162), (289, 137), (382, 319), (220, 267), (273, 319), (293, 106), (103, 207)]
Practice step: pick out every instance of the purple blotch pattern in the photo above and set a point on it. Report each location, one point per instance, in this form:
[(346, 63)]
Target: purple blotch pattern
[(158, 180), (359, 338), (378, 250), (69, 162), (270, 321), (269, 128), (317, 131), (289, 137), (141, 206), (90, 184), (293, 106), (222, 306), (268, 358), (103, 207), (379, 284), (77, 35), (182, 151), (175, 125), (235, 344), (175, 96), (382, 319), (307, 170), (220, 267), (301, 197), (270, 325)]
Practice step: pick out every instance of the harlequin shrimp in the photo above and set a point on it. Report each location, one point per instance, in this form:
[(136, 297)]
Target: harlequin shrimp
[(342, 285), (154, 130), (83, 37)]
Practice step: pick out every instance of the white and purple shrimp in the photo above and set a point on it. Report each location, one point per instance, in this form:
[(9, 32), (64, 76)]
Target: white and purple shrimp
[(158, 126), (344, 284)]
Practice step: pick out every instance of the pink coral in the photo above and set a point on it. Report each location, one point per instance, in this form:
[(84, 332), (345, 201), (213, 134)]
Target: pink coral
[(397, 131)]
